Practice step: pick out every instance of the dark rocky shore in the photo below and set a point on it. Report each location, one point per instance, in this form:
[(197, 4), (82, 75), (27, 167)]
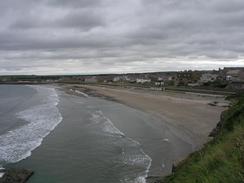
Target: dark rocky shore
[(16, 176)]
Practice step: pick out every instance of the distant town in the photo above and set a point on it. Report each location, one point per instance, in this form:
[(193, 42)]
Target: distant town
[(226, 79)]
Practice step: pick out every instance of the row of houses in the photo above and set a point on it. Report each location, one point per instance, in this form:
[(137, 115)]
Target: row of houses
[(226, 76), (229, 77)]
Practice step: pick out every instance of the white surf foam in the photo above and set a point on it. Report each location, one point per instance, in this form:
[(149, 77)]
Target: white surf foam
[(132, 153), (79, 92), (42, 119), (106, 124)]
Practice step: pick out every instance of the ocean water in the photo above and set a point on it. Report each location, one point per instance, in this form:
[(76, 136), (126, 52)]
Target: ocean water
[(39, 120), (80, 139)]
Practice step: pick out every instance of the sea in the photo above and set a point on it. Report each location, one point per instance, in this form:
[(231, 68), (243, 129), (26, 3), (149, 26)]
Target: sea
[(77, 138)]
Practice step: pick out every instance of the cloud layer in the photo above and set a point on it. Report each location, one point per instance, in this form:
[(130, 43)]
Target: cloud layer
[(105, 36)]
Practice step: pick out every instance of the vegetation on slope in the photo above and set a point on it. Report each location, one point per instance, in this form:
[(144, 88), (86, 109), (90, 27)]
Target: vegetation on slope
[(222, 159)]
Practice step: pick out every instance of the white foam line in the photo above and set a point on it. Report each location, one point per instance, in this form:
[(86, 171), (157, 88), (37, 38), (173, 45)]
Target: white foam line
[(106, 124), (18, 144), (108, 127), (142, 178), (79, 92)]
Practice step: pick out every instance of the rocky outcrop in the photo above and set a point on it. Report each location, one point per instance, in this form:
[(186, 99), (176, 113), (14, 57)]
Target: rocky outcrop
[(16, 176), (219, 126)]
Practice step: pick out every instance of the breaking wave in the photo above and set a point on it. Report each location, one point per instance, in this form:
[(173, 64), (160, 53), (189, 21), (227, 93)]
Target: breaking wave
[(18, 144), (106, 124), (132, 153)]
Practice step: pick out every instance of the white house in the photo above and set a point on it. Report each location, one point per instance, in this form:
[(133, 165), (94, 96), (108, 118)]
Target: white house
[(143, 80), (235, 75), (159, 83), (116, 79), (193, 84)]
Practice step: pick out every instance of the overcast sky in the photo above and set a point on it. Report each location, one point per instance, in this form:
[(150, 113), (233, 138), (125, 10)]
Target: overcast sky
[(119, 36)]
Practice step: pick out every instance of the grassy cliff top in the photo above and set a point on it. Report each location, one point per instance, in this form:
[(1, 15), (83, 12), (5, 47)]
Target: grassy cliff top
[(222, 159)]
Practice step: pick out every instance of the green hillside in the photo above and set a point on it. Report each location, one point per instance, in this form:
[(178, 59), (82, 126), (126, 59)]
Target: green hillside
[(222, 159)]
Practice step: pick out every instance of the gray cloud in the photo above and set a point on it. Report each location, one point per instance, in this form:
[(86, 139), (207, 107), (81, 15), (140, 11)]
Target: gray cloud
[(119, 36), (76, 3), (83, 20)]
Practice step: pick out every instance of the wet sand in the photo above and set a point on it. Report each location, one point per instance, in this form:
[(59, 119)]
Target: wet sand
[(188, 115)]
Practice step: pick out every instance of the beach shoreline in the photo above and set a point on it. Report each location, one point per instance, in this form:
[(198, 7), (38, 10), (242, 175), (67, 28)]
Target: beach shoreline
[(191, 117), (182, 114)]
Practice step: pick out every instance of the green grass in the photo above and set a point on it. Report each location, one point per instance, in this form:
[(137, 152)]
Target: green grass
[(222, 159)]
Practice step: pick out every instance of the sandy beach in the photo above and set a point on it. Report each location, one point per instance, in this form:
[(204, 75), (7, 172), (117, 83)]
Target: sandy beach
[(187, 115), (108, 134)]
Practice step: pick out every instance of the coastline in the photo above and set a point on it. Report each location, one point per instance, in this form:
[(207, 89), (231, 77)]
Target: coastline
[(188, 116), (188, 112), (13, 151), (96, 122), (139, 99)]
